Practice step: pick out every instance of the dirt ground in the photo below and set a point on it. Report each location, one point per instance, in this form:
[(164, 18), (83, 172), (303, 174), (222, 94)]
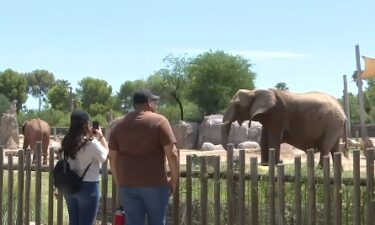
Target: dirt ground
[(288, 154)]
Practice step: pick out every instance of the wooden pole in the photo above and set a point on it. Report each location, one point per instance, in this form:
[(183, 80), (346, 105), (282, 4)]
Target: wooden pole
[(347, 109), (360, 94)]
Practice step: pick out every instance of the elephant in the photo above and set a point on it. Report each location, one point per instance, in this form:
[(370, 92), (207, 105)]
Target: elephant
[(309, 120), (36, 130)]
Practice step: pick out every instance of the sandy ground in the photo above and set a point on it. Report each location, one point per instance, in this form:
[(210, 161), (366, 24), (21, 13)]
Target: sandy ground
[(288, 154)]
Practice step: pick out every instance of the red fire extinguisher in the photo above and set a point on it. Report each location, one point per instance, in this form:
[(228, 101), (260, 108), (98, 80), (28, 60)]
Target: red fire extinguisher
[(120, 216)]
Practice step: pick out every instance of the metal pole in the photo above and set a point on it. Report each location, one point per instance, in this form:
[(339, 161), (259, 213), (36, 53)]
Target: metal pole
[(347, 109), (360, 94)]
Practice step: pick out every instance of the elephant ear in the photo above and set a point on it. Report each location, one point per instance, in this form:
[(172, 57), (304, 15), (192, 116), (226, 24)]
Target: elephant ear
[(264, 100)]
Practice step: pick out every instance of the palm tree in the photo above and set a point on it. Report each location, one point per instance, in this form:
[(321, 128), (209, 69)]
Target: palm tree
[(40, 81)]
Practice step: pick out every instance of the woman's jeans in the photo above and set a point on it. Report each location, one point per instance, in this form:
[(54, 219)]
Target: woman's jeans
[(83, 205), (141, 201)]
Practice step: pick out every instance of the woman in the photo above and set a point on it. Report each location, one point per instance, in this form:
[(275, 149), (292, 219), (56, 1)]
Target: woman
[(83, 150)]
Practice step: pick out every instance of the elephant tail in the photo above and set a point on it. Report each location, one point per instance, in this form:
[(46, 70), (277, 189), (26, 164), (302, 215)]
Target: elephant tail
[(345, 148), (41, 129)]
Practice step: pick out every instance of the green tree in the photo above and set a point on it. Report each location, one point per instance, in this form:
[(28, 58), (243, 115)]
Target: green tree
[(59, 96), (215, 77), (40, 81), (173, 80), (282, 86), (4, 104), (126, 92), (95, 96), (14, 86)]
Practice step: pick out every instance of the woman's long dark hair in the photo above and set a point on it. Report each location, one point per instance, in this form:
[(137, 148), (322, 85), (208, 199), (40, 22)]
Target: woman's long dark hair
[(74, 140)]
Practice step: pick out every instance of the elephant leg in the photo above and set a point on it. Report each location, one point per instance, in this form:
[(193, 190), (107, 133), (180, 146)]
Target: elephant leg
[(45, 155), (263, 149), (274, 142), (334, 149), (329, 145), (45, 148)]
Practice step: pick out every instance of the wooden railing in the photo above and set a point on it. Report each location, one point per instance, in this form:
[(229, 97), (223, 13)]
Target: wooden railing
[(210, 193)]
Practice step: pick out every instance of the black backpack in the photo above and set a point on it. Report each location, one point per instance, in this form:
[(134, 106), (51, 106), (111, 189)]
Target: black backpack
[(65, 179)]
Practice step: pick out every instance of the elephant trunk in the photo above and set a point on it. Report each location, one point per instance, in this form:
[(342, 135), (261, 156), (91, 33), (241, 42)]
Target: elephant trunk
[(225, 129), (228, 118)]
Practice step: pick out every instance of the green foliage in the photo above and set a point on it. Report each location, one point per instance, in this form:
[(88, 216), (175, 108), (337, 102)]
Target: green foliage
[(171, 81), (4, 104), (95, 96), (53, 117), (14, 86), (126, 92), (282, 86), (215, 77), (39, 82), (59, 96)]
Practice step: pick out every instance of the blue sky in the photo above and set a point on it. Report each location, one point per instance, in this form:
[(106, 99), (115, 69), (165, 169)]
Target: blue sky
[(307, 44)]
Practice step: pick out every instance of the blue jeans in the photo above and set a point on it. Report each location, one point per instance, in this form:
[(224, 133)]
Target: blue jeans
[(83, 205), (141, 201)]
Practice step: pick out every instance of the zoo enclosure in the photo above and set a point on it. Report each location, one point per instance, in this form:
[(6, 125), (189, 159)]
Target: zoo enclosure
[(211, 196)]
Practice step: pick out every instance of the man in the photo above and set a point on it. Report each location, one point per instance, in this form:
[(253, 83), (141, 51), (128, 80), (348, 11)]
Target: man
[(138, 144)]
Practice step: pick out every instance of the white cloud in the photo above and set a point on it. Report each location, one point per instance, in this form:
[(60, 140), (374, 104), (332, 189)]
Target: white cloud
[(250, 54)]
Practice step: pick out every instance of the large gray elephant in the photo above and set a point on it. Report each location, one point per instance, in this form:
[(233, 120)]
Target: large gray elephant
[(37, 130), (310, 120)]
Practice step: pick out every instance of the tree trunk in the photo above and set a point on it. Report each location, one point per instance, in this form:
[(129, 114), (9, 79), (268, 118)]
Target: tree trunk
[(180, 106)]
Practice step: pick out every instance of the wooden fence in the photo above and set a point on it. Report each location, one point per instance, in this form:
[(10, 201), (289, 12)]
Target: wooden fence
[(211, 193)]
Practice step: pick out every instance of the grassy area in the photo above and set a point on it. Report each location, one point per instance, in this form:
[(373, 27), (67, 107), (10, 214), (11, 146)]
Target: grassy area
[(44, 199)]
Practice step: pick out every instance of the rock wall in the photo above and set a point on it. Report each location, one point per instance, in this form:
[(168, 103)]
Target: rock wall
[(194, 135)]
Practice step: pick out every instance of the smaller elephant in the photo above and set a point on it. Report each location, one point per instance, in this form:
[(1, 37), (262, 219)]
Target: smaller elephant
[(36, 130)]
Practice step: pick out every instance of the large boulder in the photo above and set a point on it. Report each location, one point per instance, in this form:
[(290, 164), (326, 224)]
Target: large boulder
[(210, 131), (9, 128), (248, 145), (186, 134), (207, 146)]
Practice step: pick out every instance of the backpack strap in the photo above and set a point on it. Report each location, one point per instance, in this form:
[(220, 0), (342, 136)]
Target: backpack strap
[(84, 173)]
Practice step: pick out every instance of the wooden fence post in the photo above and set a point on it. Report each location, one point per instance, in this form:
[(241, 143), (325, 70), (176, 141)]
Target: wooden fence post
[(370, 186), (327, 190), (297, 189), (271, 187), (337, 187), (188, 190), (50, 185), (311, 188), (60, 204), (217, 202), (20, 187), (357, 187), (281, 193), (254, 190), (176, 200), (230, 184), (241, 182), (27, 185), (1, 182), (10, 190), (38, 183), (203, 191), (104, 197)]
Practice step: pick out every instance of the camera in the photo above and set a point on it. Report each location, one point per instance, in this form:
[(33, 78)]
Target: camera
[(95, 125)]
